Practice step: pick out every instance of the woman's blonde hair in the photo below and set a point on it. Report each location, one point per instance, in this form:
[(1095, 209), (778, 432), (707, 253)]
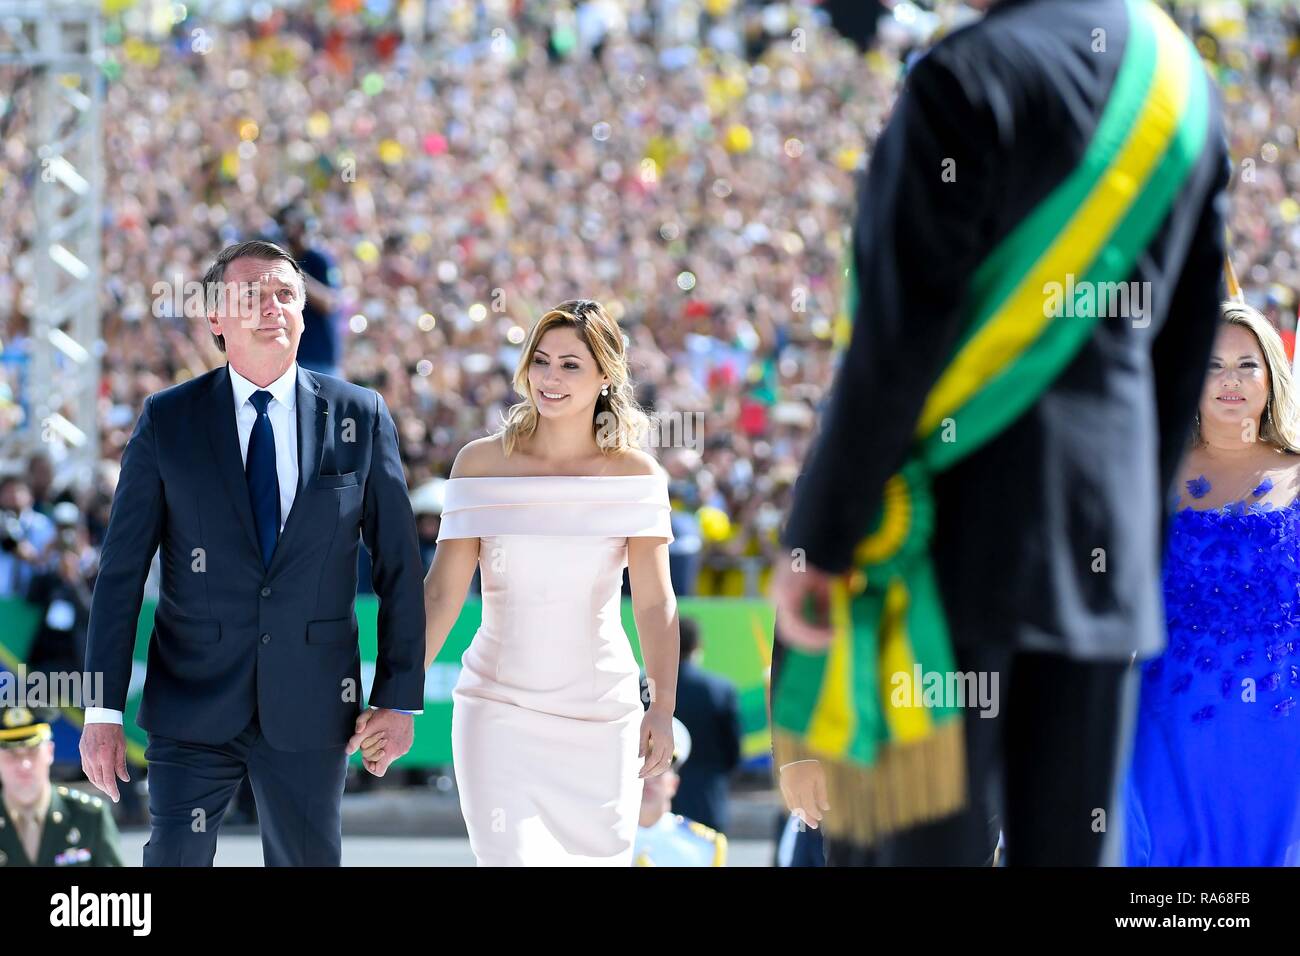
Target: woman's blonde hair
[(618, 422), (1280, 426)]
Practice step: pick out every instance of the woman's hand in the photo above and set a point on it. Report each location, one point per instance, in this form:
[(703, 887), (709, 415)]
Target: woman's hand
[(656, 742)]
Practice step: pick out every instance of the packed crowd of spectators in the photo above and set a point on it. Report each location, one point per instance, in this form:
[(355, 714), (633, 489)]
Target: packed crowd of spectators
[(449, 176)]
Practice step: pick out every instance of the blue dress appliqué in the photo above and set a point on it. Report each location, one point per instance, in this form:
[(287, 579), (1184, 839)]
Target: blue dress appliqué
[(1215, 778)]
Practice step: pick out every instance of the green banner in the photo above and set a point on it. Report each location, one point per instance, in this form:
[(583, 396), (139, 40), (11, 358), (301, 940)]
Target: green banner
[(735, 642)]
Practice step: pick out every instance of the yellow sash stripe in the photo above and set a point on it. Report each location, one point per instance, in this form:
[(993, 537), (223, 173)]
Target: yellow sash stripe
[(833, 725), (908, 722), (1022, 318)]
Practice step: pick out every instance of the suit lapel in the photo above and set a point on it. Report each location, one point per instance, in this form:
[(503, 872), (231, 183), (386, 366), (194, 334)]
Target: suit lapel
[(223, 435), (312, 415)]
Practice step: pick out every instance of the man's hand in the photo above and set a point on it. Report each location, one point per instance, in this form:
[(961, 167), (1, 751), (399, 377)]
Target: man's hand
[(803, 602), (803, 787), (383, 735), (103, 757)]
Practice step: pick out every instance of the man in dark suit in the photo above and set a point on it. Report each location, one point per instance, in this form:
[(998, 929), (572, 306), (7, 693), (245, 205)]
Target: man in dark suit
[(706, 705), (257, 480), (1008, 106)]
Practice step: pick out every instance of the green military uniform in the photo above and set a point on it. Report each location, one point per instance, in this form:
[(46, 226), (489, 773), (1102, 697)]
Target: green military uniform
[(78, 828)]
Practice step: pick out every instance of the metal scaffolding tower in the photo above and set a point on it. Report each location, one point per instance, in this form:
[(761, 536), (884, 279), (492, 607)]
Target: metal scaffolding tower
[(58, 45)]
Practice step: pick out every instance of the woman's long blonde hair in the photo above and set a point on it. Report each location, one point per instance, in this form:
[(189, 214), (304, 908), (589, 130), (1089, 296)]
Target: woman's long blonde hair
[(1280, 426), (618, 422)]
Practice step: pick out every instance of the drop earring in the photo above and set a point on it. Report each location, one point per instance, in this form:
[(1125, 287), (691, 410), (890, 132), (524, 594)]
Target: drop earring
[(605, 391)]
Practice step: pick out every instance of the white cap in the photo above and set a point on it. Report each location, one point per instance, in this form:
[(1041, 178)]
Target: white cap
[(427, 499)]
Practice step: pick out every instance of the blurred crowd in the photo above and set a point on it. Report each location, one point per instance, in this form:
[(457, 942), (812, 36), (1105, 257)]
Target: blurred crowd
[(1255, 58), (447, 170)]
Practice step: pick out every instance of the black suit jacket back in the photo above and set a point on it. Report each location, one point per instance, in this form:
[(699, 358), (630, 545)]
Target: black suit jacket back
[(1050, 536)]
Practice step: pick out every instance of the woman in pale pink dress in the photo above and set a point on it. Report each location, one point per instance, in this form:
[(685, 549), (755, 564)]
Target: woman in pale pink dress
[(550, 738)]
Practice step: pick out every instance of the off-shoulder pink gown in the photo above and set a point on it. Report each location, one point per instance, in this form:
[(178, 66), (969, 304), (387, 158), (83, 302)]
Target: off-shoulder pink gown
[(546, 712)]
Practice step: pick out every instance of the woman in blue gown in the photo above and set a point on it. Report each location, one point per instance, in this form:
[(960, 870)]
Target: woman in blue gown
[(1215, 779)]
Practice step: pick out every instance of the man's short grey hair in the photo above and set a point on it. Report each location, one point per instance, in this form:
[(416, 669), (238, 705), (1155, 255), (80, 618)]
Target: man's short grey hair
[(248, 249)]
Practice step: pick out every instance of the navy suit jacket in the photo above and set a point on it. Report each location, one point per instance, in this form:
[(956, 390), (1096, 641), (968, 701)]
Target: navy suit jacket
[(232, 638), (706, 704)]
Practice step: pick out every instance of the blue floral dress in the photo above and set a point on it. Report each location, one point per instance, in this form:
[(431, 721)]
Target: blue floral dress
[(1215, 778)]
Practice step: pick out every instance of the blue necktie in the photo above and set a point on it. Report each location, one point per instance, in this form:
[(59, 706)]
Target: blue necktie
[(263, 482)]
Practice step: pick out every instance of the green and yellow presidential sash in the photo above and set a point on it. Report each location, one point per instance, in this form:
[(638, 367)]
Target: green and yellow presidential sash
[(894, 759)]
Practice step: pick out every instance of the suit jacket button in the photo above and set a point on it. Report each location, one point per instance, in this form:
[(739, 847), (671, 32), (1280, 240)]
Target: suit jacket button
[(266, 638), (266, 592)]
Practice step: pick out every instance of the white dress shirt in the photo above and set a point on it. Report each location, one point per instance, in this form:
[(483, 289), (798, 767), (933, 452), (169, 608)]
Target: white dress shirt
[(284, 423)]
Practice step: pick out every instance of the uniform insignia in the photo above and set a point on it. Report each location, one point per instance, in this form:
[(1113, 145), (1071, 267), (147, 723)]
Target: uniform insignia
[(17, 717)]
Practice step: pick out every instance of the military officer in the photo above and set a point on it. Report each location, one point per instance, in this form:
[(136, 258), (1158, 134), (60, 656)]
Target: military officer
[(665, 838), (41, 824)]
